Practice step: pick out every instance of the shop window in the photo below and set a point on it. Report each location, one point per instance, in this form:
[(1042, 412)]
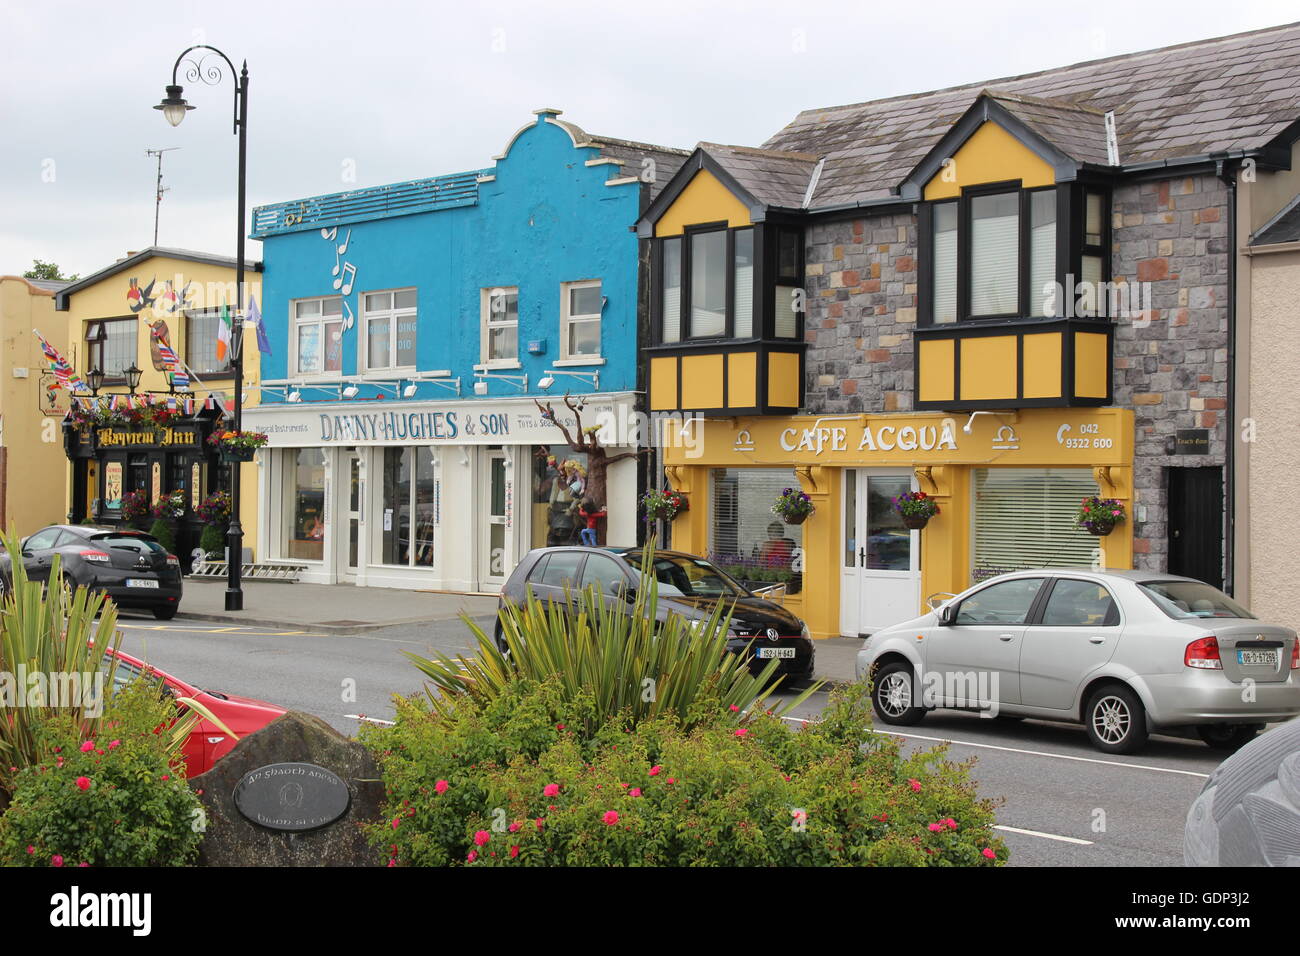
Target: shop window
[(201, 332), (745, 539), (137, 473), (559, 485), (580, 308), (1024, 518), (389, 323), (304, 489), (110, 347), (408, 507), (318, 336), (500, 309)]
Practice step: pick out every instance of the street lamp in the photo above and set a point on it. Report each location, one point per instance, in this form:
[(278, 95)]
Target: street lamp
[(132, 377), (201, 68), (95, 379)]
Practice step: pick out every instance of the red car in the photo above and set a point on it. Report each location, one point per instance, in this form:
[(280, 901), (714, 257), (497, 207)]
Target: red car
[(207, 743)]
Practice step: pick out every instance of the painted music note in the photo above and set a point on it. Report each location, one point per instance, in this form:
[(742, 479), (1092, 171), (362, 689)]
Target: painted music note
[(343, 249), (335, 270), (347, 316), (329, 233), (349, 276)]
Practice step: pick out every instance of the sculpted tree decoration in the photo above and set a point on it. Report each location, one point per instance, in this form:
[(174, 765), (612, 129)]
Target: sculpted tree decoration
[(586, 441)]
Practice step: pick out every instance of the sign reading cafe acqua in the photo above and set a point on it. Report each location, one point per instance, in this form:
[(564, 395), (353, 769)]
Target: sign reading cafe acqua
[(882, 437)]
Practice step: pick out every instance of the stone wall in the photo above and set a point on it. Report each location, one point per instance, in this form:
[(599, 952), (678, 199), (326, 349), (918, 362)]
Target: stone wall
[(1170, 364)]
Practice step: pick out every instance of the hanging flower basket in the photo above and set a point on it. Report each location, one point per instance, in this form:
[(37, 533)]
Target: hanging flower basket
[(916, 508), (664, 505), (793, 506), (1098, 516), (237, 454), (237, 446)]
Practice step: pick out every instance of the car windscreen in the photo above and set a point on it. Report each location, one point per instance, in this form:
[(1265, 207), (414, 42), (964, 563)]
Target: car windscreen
[(1186, 600), (681, 576), (132, 542)]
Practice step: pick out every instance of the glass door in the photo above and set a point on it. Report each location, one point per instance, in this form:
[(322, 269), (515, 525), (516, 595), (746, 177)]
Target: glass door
[(353, 509), (880, 564), (495, 563)]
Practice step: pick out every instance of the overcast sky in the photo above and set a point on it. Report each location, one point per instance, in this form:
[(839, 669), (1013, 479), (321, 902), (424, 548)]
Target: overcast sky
[(402, 90)]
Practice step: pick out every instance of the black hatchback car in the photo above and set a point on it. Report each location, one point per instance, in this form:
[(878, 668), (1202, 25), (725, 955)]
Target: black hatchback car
[(131, 567), (689, 586)]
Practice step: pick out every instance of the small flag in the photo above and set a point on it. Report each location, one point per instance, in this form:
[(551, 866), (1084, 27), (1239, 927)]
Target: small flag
[(170, 363), (223, 334), (255, 316), (64, 374)]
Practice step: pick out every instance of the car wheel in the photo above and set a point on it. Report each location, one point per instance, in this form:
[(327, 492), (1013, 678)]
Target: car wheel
[(164, 613), (892, 697), (1227, 736), (1116, 720)]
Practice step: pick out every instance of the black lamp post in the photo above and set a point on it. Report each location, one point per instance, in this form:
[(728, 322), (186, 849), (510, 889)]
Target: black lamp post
[(95, 379), (200, 69), (132, 377)]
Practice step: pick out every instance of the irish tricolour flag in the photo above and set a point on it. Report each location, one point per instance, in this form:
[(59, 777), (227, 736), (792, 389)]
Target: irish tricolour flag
[(223, 335)]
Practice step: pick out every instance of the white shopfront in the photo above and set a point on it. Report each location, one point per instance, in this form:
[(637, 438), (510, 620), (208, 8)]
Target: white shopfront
[(442, 496)]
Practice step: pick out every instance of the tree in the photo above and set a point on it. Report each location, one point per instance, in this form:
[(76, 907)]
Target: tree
[(586, 440), (49, 271)]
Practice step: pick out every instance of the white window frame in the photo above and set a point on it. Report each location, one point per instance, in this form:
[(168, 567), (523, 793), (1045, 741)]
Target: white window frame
[(568, 319), (391, 315), (487, 325), (319, 321)]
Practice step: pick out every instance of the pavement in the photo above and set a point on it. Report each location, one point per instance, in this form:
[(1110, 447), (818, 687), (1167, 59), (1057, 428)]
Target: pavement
[(344, 609)]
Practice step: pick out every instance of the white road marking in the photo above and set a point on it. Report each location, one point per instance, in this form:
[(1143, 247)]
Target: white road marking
[(1045, 836), (370, 720), (1034, 753)]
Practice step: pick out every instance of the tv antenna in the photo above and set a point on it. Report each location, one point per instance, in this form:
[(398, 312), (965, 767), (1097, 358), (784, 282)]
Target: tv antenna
[(160, 189)]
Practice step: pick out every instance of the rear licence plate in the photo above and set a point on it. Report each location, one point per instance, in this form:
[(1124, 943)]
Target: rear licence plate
[(1268, 658), (781, 653), (140, 583)]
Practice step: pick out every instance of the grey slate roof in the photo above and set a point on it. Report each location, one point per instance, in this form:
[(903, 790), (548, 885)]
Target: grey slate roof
[(773, 177), (51, 285), (1283, 227), (631, 154), (1078, 131), (1235, 92)]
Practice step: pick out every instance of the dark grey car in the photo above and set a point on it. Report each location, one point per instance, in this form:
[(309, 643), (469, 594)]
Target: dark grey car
[(688, 586), (131, 567)]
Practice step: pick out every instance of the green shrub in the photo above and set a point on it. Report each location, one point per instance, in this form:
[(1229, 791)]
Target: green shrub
[(470, 785), (618, 657), (213, 541), (111, 799), (162, 530)]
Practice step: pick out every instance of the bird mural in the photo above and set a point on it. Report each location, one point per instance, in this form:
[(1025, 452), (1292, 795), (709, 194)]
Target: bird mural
[(140, 299)]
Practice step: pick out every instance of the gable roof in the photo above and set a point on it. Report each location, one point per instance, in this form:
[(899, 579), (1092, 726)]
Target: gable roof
[(1239, 92), (133, 260), (1283, 227), (778, 178)]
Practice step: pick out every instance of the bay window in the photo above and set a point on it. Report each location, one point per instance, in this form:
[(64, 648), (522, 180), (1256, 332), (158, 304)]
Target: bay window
[(707, 284), (994, 254)]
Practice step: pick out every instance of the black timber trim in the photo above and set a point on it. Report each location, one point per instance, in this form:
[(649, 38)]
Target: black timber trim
[(698, 160)]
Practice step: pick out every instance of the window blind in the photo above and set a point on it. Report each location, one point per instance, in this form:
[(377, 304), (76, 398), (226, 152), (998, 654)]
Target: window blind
[(945, 262), (1024, 518), (787, 317), (672, 290), (995, 227), (740, 510), (1042, 253)]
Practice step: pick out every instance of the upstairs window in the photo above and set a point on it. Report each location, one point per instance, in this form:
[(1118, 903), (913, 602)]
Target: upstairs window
[(202, 329), (318, 336), (110, 347), (500, 326), (580, 307), (389, 321)]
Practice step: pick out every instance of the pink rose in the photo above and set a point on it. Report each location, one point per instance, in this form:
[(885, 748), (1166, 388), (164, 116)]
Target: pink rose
[(551, 790), (538, 822), (734, 708), (989, 853), (741, 731), (473, 855), (88, 746), (915, 784), (654, 771), (514, 852), (513, 828), (610, 817), (634, 792), (441, 786), (936, 827), (56, 860), (671, 780), (83, 783), (482, 837), (392, 863), (950, 823), (30, 849), (396, 821)]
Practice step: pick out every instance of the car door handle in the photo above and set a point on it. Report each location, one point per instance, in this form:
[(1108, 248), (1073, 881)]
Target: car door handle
[(1006, 637), (215, 740), (1096, 640)]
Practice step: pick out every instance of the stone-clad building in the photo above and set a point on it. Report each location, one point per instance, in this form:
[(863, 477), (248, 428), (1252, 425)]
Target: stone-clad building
[(1049, 266)]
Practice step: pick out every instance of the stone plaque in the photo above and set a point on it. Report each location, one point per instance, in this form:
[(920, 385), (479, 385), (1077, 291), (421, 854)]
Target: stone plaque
[(292, 796), (1192, 441)]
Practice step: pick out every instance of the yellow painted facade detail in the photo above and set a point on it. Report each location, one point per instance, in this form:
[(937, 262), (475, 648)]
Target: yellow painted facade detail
[(938, 358), (742, 379), (702, 381), (990, 155), (663, 384), (783, 379), (1043, 358), (704, 199), (988, 368), (1091, 363)]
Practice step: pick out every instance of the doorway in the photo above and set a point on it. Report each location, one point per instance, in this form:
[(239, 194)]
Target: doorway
[(880, 561), (353, 493), (494, 555), (1196, 524)]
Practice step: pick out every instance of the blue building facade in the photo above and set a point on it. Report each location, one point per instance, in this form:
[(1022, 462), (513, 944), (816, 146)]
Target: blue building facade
[(411, 328)]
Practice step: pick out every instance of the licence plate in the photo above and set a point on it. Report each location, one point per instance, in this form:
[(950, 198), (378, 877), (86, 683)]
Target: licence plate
[(781, 653), (1268, 658), (140, 583)]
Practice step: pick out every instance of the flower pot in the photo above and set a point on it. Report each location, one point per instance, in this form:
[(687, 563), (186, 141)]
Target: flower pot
[(915, 522), (1100, 526), (795, 519), (230, 454)]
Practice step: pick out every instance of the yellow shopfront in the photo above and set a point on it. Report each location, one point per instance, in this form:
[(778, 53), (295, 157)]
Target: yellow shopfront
[(1008, 485)]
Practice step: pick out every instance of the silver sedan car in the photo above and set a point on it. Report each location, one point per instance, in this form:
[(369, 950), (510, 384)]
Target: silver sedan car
[(1125, 653)]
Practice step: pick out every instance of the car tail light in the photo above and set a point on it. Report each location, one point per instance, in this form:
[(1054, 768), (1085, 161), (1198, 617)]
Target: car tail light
[(95, 556), (174, 561), (1295, 654), (1204, 654)]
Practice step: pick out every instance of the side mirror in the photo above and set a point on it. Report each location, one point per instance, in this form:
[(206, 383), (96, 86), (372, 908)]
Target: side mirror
[(628, 593), (946, 615)]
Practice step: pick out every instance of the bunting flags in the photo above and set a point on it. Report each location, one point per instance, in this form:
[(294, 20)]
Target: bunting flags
[(223, 335), (255, 316), (64, 375)]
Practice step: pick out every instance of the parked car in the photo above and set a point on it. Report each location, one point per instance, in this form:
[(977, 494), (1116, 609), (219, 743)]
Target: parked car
[(688, 586), (207, 743), (131, 567), (1125, 653)]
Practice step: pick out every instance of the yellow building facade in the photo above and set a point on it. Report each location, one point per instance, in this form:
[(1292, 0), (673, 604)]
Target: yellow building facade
[(153, 437)]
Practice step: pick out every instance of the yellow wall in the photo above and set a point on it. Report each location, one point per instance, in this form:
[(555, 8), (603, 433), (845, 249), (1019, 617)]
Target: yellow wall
[(36, 467), (783, 379), (1091, 364), (704, 199), (988, 367), (1043, 365), (742, 380), (990, 155)]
